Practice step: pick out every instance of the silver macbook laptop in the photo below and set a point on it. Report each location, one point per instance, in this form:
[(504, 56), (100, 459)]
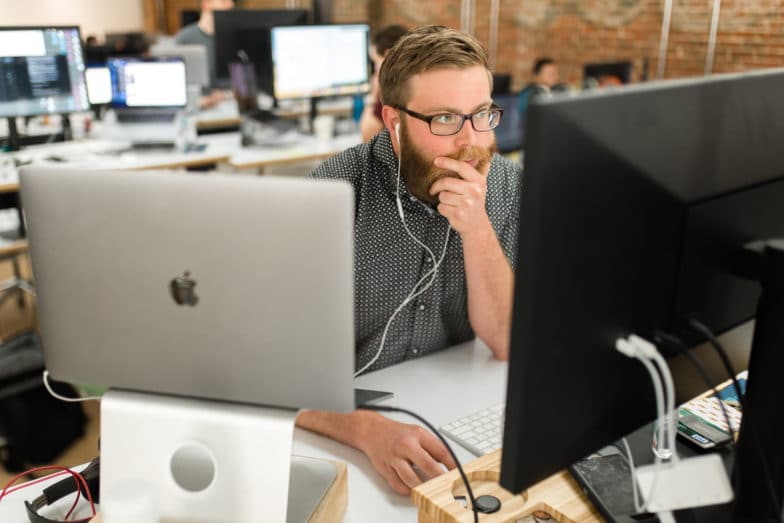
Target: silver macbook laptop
[(149, 96), (225, 287)]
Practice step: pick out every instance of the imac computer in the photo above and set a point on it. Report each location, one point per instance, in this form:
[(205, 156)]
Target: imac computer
[(247, 30), (41, 72), (311, 62), (642, 210), (209, 322)]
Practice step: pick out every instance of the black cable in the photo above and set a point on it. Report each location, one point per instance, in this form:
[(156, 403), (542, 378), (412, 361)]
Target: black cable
[(380, 408), (719, 348), (684, 351)]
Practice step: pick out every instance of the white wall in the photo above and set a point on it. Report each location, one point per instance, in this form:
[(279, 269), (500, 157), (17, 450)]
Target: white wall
[(92, 16)]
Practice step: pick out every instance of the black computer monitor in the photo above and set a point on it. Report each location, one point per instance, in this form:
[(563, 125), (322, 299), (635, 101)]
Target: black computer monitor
[(607, 73), (126, 44), (320, 60), (41, 72), (636, 208), (509, 133), (247, 30)]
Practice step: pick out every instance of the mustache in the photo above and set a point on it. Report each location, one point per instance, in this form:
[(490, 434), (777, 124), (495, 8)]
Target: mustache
[(481, 154)]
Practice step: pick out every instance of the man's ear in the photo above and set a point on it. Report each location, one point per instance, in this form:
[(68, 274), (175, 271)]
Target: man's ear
[(391, 118)]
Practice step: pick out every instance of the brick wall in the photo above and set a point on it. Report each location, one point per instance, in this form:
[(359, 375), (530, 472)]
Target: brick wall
[(573, 32)]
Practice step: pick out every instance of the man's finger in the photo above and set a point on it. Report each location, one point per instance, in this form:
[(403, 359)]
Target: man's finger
[(395, 482), (425, 462), (462, 168), (455, 185), (436, 448), (406, 473)]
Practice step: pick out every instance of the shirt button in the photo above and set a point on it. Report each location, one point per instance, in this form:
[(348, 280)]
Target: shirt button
[(414, 351), (421, 306), (429, 259)]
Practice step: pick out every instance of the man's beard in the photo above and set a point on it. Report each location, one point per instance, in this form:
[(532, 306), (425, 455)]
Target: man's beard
[(420, 174)]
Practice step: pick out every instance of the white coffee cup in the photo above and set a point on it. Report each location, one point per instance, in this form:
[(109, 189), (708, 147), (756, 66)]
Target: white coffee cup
[(324, 128)]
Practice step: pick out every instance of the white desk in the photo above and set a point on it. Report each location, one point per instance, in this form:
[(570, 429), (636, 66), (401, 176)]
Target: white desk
[(114, 154), (440, 387), (306, 148)]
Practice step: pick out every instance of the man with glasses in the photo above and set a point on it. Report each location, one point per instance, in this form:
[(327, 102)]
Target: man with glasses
[(436, 215)]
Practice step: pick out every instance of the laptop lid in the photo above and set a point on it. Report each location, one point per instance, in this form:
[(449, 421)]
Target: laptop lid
[(197, 69), (148, 82), (223, 287)]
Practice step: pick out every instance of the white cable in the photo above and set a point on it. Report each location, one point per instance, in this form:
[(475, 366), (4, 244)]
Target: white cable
[(63, 398), (633, 350), (638, 507), (650, 351), (405, 302), (429, 274)]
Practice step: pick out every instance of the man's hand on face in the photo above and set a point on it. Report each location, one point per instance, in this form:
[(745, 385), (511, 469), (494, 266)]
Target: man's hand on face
[(397, 449), (462, 200)]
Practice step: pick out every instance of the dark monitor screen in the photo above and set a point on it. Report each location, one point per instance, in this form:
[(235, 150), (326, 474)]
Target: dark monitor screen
[(248, 30), (126, 44), (609, 73), (41, 71), (635, 205), (509, 133), (320, 60)]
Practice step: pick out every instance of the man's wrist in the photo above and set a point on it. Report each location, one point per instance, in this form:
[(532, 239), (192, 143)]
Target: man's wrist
[(362, 423), (480, 235)]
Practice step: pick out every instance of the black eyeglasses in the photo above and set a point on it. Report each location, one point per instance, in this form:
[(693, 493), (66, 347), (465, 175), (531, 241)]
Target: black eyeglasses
[(447, 124)]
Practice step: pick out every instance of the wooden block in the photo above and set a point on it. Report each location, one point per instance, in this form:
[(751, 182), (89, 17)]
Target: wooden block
[(559, 496), (333, 506)]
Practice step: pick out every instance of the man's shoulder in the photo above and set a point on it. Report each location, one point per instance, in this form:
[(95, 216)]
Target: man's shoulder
[(346, 165), (505, 177), (506, 169), (191, 34)]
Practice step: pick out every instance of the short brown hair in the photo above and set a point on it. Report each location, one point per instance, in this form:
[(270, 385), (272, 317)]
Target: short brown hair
[(425, 49)]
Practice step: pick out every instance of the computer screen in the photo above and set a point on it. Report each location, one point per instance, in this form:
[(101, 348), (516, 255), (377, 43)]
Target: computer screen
[(509, 133), (320, 60), (99, 85), (248, 30), (148, 82), (41, 71), (636, 205), (608, 73), (126, 44)]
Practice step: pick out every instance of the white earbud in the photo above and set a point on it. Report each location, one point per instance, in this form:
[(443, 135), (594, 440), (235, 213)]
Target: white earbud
[(397, 132)]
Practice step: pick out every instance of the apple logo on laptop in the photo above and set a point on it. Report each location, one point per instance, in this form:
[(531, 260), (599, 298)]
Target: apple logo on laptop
[(182, 289)]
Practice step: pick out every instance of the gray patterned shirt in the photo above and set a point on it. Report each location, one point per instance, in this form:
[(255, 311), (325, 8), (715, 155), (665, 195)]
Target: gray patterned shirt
[(388, 263)]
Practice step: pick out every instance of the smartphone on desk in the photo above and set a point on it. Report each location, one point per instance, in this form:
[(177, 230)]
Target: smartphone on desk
[(606, 479)]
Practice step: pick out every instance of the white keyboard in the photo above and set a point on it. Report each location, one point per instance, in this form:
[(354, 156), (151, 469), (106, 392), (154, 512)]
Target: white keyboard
[(480, 432)]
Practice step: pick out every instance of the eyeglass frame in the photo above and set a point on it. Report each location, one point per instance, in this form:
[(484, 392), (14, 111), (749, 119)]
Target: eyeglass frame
[(429, 119)]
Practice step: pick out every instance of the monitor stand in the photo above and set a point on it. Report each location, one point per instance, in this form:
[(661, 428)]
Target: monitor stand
[(209, 461), (13, 134)]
